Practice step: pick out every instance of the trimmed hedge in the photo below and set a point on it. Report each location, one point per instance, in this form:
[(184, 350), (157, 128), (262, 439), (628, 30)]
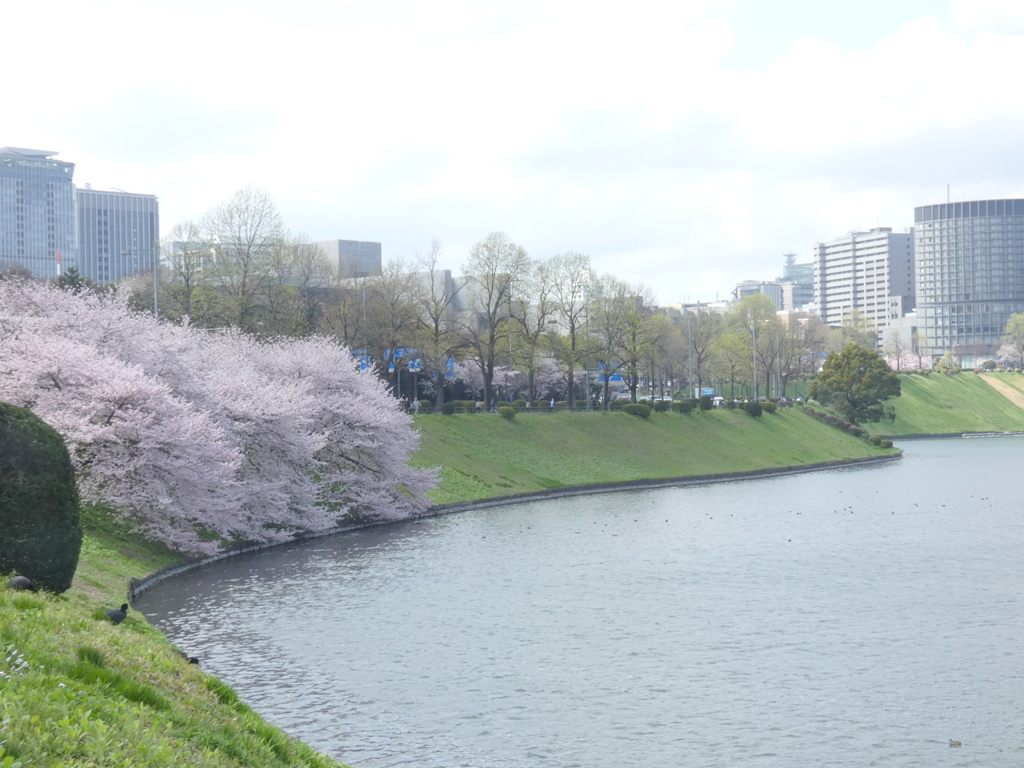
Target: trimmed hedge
[(753, 408), (684, 407), (768, 407), (507, 412), (637, 409), (40, 522), (448, 409)]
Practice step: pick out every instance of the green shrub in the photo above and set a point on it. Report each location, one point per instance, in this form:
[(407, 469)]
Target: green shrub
[(706, 403), (768, 407), (854, 430), (426, 405), (753, 408), (731, 405), (581, 403), (637, 409), (684, 407), (40, 521), (507, 412), (448, 409), (561, 405), (503, 404), (519, 405), (661, 406), (886, 444), (875, 440)]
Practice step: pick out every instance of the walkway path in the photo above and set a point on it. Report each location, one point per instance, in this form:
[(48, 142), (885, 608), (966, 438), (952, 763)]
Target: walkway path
[(1015, 396)]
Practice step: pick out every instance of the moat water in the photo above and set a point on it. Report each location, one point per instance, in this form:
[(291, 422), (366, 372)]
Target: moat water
[(851, 617)]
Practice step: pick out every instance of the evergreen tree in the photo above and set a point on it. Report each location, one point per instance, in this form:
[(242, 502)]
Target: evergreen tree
[(856, 383)]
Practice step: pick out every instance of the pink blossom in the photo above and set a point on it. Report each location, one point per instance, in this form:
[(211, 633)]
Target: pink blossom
[(206, 438)]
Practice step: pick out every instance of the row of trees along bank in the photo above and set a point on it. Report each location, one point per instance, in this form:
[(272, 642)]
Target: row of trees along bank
[(531, 328)]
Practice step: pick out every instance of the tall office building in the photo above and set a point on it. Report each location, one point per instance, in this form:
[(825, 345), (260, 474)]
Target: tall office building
[(118, 234), (797, 283), (773, 290), (970, 274), (37, 211), (353, 258), (870, 272)]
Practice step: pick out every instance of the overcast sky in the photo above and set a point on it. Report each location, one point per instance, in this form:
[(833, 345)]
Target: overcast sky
[(686, 145)]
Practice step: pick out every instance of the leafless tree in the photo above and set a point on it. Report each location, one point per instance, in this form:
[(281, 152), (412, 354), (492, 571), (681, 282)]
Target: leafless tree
[(243, 233), (531, 312), (493, 272), (570, 291), (435, 295)]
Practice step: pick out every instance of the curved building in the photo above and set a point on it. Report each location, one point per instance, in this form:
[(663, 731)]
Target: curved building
[(969, 275)]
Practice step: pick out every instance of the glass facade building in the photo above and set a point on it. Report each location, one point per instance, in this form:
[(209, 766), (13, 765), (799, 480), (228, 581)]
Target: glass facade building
[(118, 234), (353, 258), (37, 211), (797, 283), (969, 274)]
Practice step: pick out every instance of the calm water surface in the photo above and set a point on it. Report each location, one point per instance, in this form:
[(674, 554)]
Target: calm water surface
[(853, 617)]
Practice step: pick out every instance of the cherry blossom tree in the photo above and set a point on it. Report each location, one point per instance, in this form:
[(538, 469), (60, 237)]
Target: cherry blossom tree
[(207, 438)]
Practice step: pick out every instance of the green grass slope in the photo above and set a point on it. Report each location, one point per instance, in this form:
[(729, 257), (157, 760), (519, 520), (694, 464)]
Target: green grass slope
[(940, 404), (483, 456), (75, 690)]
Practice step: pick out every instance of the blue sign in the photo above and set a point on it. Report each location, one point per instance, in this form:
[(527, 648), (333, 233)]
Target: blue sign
[(416, 365), (363, 357), (401, 352)]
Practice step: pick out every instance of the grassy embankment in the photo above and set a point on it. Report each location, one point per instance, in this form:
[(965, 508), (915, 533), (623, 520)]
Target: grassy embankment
[(76, 690), (483, 456), (92, 694), (938, 404)]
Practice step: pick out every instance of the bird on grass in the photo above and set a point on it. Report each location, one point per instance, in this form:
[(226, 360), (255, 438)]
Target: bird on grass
[(21, 582), (117, 615)]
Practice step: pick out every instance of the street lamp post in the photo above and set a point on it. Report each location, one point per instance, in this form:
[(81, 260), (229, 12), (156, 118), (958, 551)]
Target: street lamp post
[(156, 277), (689, 353), (753, 351)]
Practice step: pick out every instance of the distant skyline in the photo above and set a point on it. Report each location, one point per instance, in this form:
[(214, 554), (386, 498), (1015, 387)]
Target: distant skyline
[(685, 145)]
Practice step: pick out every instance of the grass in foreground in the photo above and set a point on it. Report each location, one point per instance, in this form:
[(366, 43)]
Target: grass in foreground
[(483, 456), (940, 404), (75, 690)]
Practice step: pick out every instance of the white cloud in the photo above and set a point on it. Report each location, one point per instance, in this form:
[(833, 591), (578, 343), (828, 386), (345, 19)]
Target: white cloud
[(572, 126)]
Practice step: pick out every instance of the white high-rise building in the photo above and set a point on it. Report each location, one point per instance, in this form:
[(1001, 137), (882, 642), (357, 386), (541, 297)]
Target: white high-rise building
[(870, 272)]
